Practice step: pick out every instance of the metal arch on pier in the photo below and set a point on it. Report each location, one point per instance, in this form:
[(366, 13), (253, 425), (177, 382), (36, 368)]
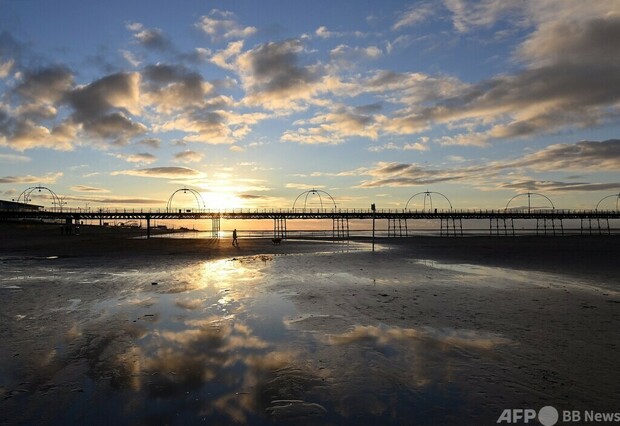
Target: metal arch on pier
[(28, 191), (317, 192), (397, 223), (427, 194), (529, 196), (340, 224), (609, 196), (215, 220), (541, 222), (199, 200)]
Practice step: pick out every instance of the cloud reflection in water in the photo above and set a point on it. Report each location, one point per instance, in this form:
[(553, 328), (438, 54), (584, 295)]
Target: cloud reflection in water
[(211, 341)]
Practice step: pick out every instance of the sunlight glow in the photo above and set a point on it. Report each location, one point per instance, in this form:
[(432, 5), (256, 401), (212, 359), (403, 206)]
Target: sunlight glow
[(221, 200)]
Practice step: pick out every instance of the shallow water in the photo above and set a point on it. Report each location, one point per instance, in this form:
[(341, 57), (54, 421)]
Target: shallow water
[(260, 340)]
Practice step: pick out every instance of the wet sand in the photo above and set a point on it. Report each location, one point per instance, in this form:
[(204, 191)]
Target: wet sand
[(425, 330), (587, 256), (127, 244)]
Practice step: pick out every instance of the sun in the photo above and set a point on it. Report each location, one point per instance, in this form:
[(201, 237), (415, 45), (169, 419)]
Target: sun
[(221, 200)]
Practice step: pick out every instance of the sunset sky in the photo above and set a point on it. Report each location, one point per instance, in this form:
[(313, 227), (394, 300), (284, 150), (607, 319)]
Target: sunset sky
[(253, 102)]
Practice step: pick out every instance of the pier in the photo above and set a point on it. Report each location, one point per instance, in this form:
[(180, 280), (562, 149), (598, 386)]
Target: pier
[(501, 222)]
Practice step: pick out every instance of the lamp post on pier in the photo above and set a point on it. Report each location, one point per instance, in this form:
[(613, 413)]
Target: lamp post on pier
[(373, 208)]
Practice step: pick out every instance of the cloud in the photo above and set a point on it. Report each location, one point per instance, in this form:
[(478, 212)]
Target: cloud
[(571, 79), (101, 107), (573, 42), (403, 175), (153, 38), (338, 125), (28, 124), (23, 133), (416, 90), (162, 172), (119, 200), (411, 87), (115, 125), (27, 133), (422, 145), (465, 139), (197, 56), (131, 58), (469, 14), (581, 156), (203, 126), (252, 197), (171, 88), (151, 142), (134, 26), (185, 102), (414, 15), (143, 157), (223, 25), (351, 55), (384, 147), (415, 146), (6, 67), (111, 108), (539, 13), (273, 77), (45, 179), (222, 57), (120, 91), (150, 38), (188, 156), (536, 101), (12, 158), (47, 84), (558, 186), (323, 32), (589, 156), (303, 186), (212, 124), (36, 111), (85, 188)]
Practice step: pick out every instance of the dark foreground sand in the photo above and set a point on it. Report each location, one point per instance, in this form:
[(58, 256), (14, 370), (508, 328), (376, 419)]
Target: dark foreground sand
[(424, 331), (589, 256)]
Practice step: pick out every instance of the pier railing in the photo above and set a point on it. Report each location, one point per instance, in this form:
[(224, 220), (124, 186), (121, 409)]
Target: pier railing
[(327, 213)]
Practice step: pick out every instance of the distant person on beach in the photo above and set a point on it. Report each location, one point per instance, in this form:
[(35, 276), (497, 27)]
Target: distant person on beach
[(235, 242)]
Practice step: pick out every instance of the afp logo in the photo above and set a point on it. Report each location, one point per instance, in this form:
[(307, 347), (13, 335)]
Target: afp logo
[(547, 416)]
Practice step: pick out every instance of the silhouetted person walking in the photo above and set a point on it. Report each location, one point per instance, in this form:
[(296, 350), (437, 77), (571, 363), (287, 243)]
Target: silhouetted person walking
[(235, 242)]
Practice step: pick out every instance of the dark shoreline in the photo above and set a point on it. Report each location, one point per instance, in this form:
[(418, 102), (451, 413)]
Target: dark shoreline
[(589, 256)]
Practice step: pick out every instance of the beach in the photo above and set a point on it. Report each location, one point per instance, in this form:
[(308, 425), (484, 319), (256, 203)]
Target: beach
[(104, 327)]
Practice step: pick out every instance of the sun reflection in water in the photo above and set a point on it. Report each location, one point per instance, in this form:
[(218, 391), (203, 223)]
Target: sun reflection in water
[(210, 341)]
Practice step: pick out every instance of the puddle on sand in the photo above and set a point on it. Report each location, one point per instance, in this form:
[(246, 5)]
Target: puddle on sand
[(501, 277), (209, 343)]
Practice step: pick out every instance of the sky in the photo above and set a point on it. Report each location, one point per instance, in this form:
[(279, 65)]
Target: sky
[(252, 103)]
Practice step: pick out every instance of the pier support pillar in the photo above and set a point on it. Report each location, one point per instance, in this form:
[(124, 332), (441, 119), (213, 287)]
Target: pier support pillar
[(215, 227), (395, 227), (452, 231), (148, 226), (340, 228), (279, 227)]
